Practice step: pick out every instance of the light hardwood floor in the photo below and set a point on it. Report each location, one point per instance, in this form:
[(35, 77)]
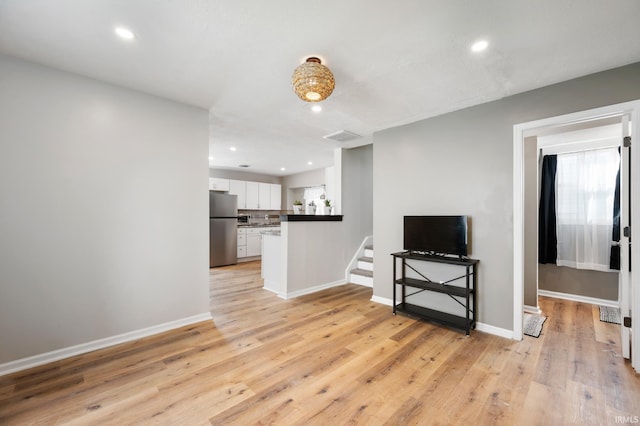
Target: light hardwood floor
[(333, 357)]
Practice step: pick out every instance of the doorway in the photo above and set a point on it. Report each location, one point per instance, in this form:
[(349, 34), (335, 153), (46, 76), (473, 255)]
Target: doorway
[(563, 273), (526, 130)]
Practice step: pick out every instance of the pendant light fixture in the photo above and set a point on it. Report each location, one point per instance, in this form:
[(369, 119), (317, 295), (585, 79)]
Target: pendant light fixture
[(312, 81)]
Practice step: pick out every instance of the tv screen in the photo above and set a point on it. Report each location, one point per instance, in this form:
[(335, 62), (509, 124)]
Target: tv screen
[(436, 234)]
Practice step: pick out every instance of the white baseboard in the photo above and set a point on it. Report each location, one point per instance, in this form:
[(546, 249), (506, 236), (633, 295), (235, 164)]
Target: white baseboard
[(532, 309), (496, 331), (270, 285), (249, 259), (578, 298), (381, 300), (310, 290), (485, 328), (36, 360)]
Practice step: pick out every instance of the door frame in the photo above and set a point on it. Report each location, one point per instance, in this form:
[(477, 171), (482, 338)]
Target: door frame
[(520, 131)]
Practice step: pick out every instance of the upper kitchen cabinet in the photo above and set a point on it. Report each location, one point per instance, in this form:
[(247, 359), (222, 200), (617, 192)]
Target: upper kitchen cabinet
[(217, 184), (253, 196), (256, 195), (276, 196), (239, 188), (264, 198)]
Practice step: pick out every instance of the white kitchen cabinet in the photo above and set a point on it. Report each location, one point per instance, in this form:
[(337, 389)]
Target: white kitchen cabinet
[(217, 184), (242, 242), (256, 195), (264, 196), (239, 188), (252, 200), (276, 196)]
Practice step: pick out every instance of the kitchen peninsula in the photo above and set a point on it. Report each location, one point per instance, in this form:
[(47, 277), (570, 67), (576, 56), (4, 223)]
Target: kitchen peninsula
[(306, 257)]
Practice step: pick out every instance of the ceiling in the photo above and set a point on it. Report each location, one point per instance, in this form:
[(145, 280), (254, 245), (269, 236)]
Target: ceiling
[(394, 62)]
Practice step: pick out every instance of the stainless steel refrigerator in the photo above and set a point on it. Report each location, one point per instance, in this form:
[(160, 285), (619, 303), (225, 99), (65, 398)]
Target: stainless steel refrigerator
[(223, 229)]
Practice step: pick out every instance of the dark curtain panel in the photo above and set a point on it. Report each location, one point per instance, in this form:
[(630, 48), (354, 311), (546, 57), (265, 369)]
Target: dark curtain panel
[(547, 238), (614, 261)]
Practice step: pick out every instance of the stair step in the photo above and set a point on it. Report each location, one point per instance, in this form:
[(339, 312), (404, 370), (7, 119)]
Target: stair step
[(361, 277), (365, 259), (365, 265), (362, 272), (368, 247)]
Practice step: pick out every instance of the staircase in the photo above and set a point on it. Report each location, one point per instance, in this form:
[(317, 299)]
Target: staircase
[(363, 273)]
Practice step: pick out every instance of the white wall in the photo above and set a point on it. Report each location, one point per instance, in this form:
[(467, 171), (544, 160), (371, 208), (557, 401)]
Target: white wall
[(462, 163), (305, 179), (103, 221), (299, 180)]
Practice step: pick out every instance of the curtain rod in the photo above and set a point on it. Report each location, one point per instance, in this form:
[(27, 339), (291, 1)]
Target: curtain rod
[(578, 150)]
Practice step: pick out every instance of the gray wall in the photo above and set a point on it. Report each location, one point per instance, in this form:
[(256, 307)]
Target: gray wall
[(240, 175), (462, 163), (531, 222), (582, 282), (357, 192), (103, 220)]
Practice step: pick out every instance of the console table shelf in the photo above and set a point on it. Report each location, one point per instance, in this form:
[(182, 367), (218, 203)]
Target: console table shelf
[(433, 286), (463, 295), (443, 318)]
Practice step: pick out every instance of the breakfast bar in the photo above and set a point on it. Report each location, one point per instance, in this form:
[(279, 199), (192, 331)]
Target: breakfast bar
[(306, 257)]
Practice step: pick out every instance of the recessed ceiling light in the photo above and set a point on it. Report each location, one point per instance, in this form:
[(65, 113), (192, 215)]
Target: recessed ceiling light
[(210, 158), (233, 148), (125, 33), (282, 169), (310, 163), (479, 45), (316, 108)]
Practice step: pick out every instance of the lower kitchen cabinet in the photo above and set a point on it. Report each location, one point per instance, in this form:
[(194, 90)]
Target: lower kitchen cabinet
[(254, 241), (250, 240), (242, 242)]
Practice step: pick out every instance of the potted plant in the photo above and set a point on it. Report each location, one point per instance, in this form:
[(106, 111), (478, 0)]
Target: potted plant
[(326, 209), (311, 208), (297, 207)]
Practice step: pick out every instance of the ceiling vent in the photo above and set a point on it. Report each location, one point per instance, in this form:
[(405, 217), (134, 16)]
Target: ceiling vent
[(342, 136)]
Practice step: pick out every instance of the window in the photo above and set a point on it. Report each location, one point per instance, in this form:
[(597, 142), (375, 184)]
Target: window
[(315, 194), (585, 188)]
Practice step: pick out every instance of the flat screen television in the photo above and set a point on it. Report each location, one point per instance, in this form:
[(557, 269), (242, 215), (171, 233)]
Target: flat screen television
[(443, 235)]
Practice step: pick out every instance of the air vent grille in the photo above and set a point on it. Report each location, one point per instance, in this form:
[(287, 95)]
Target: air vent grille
[(342, 136)]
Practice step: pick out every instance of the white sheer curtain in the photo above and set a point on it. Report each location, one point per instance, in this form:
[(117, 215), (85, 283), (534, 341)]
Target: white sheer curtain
[(585, 187)]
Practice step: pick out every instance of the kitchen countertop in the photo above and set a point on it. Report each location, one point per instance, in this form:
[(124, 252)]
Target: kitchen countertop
[(257, 225), (310, 218)]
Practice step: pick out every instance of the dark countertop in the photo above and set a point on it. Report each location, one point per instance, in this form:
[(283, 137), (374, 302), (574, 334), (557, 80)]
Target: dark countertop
[(257, 225), (310, 218)]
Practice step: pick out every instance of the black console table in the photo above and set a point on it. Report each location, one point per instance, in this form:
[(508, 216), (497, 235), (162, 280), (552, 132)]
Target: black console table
[(465, 296)]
